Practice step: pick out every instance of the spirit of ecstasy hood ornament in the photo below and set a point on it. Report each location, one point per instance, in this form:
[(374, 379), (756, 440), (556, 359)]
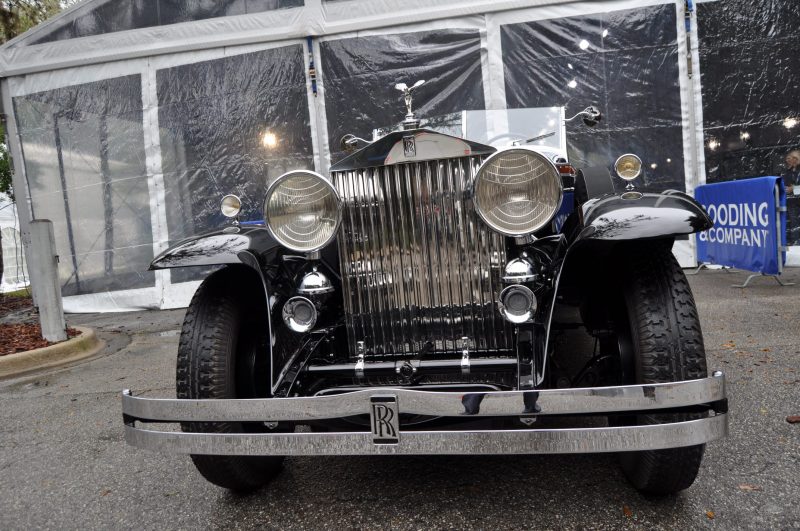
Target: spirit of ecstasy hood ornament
[(410, 122)]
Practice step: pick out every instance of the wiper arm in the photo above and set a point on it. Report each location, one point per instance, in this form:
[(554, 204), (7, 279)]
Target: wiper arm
[(540, 137)]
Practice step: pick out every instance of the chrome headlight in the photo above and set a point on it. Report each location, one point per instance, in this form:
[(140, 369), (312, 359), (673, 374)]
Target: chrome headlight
[(517, 191), (231, 206), (302, 210), (628, 166)]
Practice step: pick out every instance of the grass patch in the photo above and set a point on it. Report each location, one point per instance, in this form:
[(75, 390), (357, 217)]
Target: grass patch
[(24, 292)]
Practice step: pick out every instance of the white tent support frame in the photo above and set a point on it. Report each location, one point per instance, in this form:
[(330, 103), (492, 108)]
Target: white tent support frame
[(486, 17)]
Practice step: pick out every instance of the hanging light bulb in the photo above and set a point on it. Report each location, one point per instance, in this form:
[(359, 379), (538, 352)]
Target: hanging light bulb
[(269, 140)]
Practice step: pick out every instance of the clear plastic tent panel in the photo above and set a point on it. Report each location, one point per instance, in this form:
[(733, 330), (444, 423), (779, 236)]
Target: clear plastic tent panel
[(360, 73), (15, 268), (625, 63), (85, 164), (230, 126), (750, 64), (542, 127), (100, 17)]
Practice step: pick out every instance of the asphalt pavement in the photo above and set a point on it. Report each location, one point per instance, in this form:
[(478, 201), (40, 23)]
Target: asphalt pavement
[(64, 463)]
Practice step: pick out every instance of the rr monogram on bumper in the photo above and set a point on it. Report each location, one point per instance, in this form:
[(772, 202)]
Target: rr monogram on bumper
[(384, 419)]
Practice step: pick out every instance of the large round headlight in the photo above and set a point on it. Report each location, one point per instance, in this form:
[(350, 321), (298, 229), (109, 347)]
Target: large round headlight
[(302, 210), (517, 191)]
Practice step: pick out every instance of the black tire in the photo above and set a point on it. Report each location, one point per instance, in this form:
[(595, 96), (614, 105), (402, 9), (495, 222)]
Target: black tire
[(667, 346), (215, 339)]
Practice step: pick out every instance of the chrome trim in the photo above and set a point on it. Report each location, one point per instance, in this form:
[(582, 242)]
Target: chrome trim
[(417, 264), (524, 441), (271, 190), (454, 387), (616, 168), (554, 174), (408, 95), (378, 152), (360, 351), (222, 202), (384, 419), (521, 318), (289, 317), (383, 368), (315, 283), (437, 404), (519, 271), (465, 355)]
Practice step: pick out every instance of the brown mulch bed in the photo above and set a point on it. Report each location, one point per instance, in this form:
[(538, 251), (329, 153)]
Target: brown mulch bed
[(16, 338), (19, 326), (14, 304)]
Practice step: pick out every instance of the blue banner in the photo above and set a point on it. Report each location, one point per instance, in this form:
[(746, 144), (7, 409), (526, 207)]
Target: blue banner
[(745, 231)]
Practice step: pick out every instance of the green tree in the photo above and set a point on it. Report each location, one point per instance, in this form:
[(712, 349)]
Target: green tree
[(18, 16)]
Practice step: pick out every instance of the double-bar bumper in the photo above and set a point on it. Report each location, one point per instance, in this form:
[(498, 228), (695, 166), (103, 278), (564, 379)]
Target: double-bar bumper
[(387, 436)]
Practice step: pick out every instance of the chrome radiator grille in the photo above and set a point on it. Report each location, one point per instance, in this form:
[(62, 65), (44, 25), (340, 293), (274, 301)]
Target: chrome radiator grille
[(418, 266)]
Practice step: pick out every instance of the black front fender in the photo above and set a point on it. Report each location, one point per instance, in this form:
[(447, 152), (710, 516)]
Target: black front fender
[(231, 245), (610, 225), (644, 216)]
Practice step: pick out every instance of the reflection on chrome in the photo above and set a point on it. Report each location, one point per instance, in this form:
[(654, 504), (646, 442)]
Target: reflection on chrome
[(302, 211), (416, 261), (517, 191)]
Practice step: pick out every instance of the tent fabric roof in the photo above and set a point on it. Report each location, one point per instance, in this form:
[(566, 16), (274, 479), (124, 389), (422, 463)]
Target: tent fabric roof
[(98, 31)]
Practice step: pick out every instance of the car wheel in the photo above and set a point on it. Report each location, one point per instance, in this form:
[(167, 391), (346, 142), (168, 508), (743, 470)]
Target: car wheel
[(662, 330), (216, 341)]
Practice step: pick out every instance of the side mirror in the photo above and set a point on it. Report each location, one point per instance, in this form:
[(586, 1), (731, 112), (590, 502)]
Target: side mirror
[(592, 116), (349, 142)]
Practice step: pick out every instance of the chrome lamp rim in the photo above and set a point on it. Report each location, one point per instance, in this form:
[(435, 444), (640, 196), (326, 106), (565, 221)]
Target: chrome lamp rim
[(476, 201), (339, 207)]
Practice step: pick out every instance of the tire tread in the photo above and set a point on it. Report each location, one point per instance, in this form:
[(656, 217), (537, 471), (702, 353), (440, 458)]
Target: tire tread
[(666, 328), (205, 370)]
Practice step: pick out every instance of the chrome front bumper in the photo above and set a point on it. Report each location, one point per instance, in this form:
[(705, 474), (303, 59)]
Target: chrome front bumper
[(387, 436)]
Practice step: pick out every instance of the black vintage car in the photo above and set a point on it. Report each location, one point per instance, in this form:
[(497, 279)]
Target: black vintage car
[(423, 299)]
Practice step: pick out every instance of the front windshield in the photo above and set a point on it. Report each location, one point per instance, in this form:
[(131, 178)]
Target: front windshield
[(499, 128)]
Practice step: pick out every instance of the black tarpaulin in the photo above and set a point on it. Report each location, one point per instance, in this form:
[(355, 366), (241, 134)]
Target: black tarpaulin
[(624, 62), (750, 64), (360, 73), (230, 126)]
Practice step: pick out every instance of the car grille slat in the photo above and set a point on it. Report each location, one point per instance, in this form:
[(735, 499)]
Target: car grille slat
[(417, 264)]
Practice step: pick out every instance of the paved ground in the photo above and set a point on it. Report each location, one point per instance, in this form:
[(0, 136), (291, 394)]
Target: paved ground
[(64, 465)]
